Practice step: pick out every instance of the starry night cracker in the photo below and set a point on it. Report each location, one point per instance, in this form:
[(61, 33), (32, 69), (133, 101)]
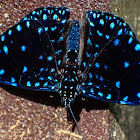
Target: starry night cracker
[(98, 58)]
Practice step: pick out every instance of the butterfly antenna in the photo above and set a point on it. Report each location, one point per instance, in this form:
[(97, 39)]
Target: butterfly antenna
[(57, 123), (75, 121)]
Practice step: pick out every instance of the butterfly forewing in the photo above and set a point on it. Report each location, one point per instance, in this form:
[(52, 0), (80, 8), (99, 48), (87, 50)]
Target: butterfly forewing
[(28, 56), (53, 20), (99, 29)]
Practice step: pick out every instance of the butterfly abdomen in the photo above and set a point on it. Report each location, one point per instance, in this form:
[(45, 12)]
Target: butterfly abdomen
[(69, 80)]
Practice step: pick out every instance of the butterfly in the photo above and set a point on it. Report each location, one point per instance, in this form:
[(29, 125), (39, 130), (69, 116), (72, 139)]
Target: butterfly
[(98, 57)]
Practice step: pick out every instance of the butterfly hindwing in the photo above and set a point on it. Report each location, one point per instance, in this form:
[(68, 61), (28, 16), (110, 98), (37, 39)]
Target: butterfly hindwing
[(28, 56), (114, 74)]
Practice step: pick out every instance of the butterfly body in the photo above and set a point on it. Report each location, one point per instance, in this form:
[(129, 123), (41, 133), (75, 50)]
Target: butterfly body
[(98, 58)]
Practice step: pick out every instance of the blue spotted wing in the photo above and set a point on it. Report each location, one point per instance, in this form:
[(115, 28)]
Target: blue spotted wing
[(53, 20), (111, 60), (30, 50)]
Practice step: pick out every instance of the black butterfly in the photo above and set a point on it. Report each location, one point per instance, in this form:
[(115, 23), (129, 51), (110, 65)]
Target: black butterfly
[(98, 58)]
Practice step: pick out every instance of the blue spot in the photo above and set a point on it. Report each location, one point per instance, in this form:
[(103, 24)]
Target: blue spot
[(44, 17), (49, 58), (105, 67), (84, 64), (58, 52), (130, 40), (9, 32), (89, 42), (23, 48), (125, 98), (59, 62), (24, 69), (63, 21), (59, 11), (83, 84), (124, 24), (61, 39), (5, 49), (14, 84), (25, 18), (126, 64), (119, 32), (88, 55), (33, 12), (45, 84), (90, 83), (71, 87), (55, 16), (2, 37), (53, 87), (83, 91), (52, 40), (27, 24), (101, 78), (41, 78), (91, 24), (108, 96), (118, 84), (2, 71), (99, 33), (131, 33), (49, 77), (37, 84), (56, 80), (110, 18), (107, 36), (66, 79), (97, 65), (120, 24), (96, 76), (92, 91), (137, 47), (97, 86), (52, 70), (19, 28), (116, 42), (94, 15), (90, 75), (41, 69), (100, 94), (95, 54), (72, 80), (112, 25), (98, 15), (101, 21), (53, 28), (49, 11), (13, 79), (46, 29), (63, 12), (28, 83), (138, 94), (96, 45), (90, 65), (40, 30), (41, 57)]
